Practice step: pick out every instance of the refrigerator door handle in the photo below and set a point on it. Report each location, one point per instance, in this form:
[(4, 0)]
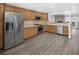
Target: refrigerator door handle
[(12, 26), (7, 26), (16, 25)]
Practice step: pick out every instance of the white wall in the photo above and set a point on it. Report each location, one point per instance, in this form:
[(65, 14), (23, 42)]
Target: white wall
[(77, 21), (66, 13), (52, 18)]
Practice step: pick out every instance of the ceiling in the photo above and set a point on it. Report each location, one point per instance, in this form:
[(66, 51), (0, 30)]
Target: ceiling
[(55, 8)]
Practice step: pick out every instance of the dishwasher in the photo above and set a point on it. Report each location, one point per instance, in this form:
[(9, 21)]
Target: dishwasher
[(60, 29)]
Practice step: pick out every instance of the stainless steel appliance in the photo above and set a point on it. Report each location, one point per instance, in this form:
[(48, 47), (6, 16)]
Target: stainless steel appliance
[(40, 28), (13, 29), (60, 29)]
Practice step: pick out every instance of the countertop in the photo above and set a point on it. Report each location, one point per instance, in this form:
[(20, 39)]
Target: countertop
[(30, 26), (62, 24)]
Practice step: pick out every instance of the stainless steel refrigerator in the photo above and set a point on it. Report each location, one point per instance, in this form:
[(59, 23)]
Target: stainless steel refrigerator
[(13, 29)]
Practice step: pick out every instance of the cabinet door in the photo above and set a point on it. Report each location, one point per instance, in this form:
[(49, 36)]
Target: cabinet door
[(36, 31), (45, 17), (30, 32), (25, 15), (33, 31), (30, 15), (1, 26), (53, 28), (26, 33), (46, 28), (9, 8), (65, 30)]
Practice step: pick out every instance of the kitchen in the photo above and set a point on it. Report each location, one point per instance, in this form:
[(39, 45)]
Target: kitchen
[(28, 24)]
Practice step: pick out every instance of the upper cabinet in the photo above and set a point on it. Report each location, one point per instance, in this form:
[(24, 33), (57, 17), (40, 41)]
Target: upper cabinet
[(28, 14), (44, 16), (9, 8), (13, 9)]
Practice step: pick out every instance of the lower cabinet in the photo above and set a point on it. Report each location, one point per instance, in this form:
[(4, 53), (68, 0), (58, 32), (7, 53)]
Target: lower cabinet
[(50, 28), (30, 32), (26, 32), (46, 28), (65, 29), (53, 28)]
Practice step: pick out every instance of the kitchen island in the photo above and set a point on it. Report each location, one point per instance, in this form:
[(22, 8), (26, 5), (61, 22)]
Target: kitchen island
[(56, 28)]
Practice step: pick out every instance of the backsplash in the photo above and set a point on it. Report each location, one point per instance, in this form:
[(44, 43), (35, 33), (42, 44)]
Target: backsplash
[(34, 22)]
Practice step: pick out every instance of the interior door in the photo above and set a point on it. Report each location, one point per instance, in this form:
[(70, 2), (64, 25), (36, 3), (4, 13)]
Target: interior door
[(9, 30), (19, 28)]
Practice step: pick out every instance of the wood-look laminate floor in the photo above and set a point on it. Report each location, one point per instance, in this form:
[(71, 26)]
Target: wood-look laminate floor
[(48, 44)]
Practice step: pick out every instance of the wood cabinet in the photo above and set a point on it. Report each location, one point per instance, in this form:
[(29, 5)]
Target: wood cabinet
[(1, 25), (10, 8), (26, 32), (15, 9), (65, 30), (29, 15), (44, 16), (30, 32), (46, 28), (33, 31), (50, 28), (53, 28)]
